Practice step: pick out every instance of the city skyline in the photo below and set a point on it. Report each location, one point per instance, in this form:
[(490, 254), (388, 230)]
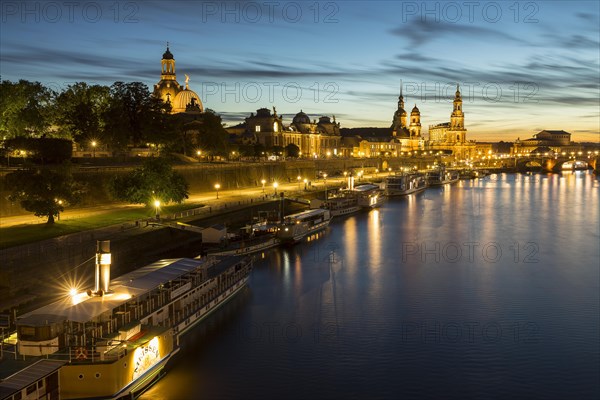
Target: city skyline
[(522, 66)]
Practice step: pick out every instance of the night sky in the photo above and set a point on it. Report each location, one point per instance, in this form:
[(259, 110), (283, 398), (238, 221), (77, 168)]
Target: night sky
[(522, 66)]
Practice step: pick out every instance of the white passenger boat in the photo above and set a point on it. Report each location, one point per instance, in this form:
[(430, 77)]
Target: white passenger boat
[(339, 205), (369, 195), (440, 176), (404, 183), (116, 338), (296, 227)]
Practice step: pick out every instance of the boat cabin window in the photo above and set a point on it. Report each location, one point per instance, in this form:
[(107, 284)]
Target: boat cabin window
[(36, 333)]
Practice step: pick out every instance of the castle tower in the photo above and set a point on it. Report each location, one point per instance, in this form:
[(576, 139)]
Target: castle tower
[(168, 87), (415, 123)]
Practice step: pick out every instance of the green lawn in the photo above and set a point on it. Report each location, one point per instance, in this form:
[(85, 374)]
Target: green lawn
[(22, 234)]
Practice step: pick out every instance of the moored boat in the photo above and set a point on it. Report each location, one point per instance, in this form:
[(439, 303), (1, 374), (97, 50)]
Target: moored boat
[(296, 227), (405, 183), (441, 176), (369, 195), (344, 203), (116, 338)]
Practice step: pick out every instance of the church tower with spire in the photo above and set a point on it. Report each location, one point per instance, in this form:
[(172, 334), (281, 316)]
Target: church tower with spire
[(457, 119), (168, 87), (400, 121)]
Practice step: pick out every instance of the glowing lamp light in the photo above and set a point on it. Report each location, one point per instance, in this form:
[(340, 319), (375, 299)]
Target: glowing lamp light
[(72, 292), (105, 258)]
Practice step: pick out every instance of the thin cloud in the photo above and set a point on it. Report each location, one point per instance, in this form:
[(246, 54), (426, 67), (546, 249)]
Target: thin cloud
[(420, 32)]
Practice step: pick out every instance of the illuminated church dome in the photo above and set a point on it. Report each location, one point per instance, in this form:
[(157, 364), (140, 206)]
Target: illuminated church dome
[(415, 110), (185, 98)]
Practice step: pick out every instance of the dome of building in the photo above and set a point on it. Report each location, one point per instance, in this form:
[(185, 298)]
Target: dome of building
[(167, 55), (184, 98), (415, 110), (301, 118)]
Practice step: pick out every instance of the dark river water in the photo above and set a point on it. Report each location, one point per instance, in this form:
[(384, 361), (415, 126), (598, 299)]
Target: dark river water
[(484, 289)]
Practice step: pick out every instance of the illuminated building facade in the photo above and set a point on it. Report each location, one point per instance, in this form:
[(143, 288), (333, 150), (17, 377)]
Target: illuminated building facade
[(452, 135), (170, 91), (548, 141), (314, 139)]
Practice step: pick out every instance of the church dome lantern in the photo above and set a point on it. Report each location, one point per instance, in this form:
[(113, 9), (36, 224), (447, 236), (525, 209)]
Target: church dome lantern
[(167, 55)]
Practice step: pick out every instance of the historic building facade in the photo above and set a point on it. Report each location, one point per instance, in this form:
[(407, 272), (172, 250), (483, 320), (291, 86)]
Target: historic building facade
[(546, 141), (314, 139), (452, 135)]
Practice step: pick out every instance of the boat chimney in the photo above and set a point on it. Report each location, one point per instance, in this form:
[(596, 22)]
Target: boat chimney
[(103, 260)]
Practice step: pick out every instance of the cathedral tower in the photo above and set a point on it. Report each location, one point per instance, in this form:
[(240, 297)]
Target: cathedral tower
[(400, 121), (457, 119)]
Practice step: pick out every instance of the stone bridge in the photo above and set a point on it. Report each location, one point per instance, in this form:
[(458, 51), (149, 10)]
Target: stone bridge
[(555, 164)]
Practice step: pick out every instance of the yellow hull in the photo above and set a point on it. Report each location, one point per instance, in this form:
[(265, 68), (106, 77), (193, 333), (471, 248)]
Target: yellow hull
[(129, 373)]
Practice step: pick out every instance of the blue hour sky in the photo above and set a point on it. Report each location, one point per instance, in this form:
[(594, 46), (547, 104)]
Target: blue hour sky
[(522, 66)]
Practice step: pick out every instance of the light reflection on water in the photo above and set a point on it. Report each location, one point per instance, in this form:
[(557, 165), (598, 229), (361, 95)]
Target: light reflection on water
[(485, 289)]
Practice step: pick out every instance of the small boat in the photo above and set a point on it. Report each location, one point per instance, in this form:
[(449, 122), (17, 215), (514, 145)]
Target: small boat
[(404, 183), (468, 174), (440, 176), (296, 227)]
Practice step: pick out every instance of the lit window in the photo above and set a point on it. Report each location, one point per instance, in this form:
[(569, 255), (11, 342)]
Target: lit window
[(257, 128)]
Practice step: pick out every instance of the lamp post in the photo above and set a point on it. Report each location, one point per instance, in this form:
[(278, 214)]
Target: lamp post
[(217, 187), (157, 207), (299, 179), (93, 148), (263, 184), (305, 183), (325, 181), (275, 186)]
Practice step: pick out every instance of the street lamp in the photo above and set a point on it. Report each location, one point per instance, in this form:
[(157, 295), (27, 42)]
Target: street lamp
[(299, 179), (305, 183), (275, 186), (263, 184), (325, 179), (157, 207), (217, 187), (93, 148)]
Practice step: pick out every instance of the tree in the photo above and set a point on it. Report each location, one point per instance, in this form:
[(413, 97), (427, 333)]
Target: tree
[(133, 116), (154, 180), (78, 112), (25, 109), (212, 136), (44, 191)]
